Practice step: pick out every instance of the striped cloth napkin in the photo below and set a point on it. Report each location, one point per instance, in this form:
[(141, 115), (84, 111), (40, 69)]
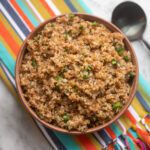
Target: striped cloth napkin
[(17, 19)]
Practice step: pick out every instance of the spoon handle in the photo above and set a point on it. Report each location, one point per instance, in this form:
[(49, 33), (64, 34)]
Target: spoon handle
[(146, 43)]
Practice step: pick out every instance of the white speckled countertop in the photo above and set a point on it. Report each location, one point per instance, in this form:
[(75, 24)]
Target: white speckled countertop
[(17, 130)]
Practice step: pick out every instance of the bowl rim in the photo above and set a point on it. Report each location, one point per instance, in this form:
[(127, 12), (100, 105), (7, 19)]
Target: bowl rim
[(89, 17)]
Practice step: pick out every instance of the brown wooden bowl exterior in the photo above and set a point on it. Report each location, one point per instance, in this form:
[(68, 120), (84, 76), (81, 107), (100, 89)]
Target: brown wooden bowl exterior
[(89, 18)]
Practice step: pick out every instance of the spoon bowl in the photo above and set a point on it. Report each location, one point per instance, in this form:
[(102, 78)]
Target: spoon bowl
[(131, 19)]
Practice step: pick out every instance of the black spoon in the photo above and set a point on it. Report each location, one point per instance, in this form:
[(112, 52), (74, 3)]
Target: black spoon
[(131, 19)]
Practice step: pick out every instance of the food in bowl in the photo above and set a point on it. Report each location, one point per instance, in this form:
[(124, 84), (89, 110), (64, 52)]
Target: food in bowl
[(76, 74)]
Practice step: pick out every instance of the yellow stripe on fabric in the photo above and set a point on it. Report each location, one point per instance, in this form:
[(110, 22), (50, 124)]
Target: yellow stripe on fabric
[(4, 78), (138, 108), (10, 29), (61, 5), (41, 9), (129, 124), (124, 122), (140, 125), (94, 141), (8, 48), (77, 6)]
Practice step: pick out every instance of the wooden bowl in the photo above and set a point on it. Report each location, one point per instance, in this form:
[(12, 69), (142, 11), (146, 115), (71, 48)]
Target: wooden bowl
[(89, 18)]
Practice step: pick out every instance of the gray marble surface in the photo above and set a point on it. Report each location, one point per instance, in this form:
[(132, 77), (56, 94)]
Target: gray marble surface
[(17, 129)]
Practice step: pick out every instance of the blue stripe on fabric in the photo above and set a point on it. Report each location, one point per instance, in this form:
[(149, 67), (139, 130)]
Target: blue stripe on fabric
[(84, 6), (105, 137), (73, 9), (115, 129), (142, 101), (117, 147), (7, 59), (15, 17), (145, 85), (133, 133), (27, 12), (68, 141), (7, 73), (55, 139), (11, 25)]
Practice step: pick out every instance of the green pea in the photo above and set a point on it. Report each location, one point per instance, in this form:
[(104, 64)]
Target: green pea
[(66, 117), (114, 62), (94, 23), (131, 74), (126, 58), (120, 50), (117, 105)]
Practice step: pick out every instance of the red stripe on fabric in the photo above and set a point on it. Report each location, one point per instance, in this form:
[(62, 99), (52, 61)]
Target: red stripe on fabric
[(85, 142), (48, 8), (111, 147), (130, 135), (8, 38), (21, 13), (111, 133), (129, 115), (147, 120)]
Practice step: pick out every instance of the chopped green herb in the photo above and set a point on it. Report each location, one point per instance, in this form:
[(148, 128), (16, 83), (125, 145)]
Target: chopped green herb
[(131, 75), (126, 58), (52, 24), (114, 62), (66, 34), (94, 23), (89, 68), (114, 43), (66, 49), (75, 88), (120, 50), (41, 116), (58, 78), (85, 76), (57, 88), (71, 16), (94, 118), (34, 63), (66, 117), (64, 69), (117, 105), (81, 27), (86, 72)]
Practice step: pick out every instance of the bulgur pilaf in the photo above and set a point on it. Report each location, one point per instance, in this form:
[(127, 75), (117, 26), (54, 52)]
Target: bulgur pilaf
[(76, 74)]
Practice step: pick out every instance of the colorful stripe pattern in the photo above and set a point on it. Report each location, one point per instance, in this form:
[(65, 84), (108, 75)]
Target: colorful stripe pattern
[(17, 19)]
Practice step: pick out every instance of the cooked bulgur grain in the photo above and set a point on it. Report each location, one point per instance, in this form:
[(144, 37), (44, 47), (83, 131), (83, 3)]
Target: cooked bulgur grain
[(76, 74)]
